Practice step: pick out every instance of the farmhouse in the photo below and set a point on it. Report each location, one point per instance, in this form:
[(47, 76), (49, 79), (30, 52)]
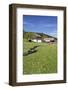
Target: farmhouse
[(46, 40), (37, 39), (49, 40)]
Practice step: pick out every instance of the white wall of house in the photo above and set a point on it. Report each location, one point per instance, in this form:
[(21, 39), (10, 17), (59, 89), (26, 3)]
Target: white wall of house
[(39, 41), (36, 40), (47, 40)]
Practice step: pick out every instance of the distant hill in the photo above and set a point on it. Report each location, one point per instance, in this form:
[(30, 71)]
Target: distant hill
[(30, 35), (46, 36)]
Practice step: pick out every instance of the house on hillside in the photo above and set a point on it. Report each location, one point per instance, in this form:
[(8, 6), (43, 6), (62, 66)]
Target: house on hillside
[(49, 40), (46, 40), (37, 39)]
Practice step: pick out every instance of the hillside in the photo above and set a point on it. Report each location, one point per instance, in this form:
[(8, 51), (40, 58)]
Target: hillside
[(46, 36), (30, 35)]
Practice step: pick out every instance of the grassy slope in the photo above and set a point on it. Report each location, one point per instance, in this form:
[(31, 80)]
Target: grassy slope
[(43, 61)]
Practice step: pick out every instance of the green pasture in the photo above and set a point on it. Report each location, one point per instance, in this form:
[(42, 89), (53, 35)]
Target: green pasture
[(41, 62)]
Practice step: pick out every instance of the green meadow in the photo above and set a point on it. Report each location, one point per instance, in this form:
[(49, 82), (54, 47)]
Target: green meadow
[(43, 61)]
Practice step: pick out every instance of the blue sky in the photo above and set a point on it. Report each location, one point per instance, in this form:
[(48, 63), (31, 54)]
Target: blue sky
[(41, 24)]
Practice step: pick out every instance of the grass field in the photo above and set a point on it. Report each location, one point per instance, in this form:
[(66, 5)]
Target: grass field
[(41, 62)]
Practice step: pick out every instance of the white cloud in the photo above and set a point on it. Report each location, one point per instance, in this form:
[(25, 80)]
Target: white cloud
[(49, 25), (28, 23)]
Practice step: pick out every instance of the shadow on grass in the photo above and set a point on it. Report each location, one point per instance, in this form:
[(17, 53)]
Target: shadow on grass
[(30, 51)]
